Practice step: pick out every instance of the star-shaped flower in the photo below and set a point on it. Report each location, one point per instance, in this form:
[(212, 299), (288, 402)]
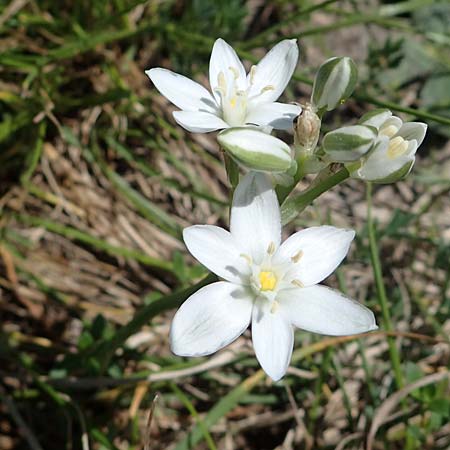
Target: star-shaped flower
[(271, 285), (237, 99)]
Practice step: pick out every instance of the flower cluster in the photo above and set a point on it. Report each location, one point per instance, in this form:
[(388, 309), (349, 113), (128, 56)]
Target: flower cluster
[(271, 285)]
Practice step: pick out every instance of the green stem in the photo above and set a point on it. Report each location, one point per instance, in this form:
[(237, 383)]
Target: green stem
[(292, 206), (191, 408), (382, 297)]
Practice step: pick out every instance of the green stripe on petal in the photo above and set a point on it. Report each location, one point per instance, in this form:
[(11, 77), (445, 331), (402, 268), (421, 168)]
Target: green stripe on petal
[(349, 143)]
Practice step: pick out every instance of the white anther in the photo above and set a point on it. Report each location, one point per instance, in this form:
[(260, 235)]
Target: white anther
[(235, 72), (247, 258), (296, 258), (271, 248), (274, 307)]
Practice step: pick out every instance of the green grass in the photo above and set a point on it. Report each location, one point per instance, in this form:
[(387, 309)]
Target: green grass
[(98, 182)]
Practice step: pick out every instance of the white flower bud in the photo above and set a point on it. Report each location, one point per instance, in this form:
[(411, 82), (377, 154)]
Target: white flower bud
[(334, 83), (255, 149), (350, 143)]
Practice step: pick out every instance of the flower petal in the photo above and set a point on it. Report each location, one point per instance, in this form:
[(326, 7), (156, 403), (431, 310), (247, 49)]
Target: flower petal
[(376, 118), (255, 216), (320, 309), (274, 71), (210, 319), (276, 115), (216, 249), (317, 250), (224, 59), (413, 130), (198, 121), (273, 339), (181, 91), (379, 165)]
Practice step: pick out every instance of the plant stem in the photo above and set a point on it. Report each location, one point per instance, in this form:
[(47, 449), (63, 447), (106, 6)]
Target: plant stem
[(382, 298), (292, 206)]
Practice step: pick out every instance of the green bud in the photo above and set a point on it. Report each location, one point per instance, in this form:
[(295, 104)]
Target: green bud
[(255, 149), (334, 83), (348, 144)]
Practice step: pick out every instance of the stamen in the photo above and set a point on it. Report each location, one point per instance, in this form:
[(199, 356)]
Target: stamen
[(222, 82), (297, 283), (247, 258), (389, 131), (274, 307), (397, 147), (252, 74), (296, 258), (269, 87), (271, 248), (235, 72)]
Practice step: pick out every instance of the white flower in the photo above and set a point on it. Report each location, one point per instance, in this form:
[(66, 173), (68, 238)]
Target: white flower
[(272, 286), (393, 155), (238, 99)]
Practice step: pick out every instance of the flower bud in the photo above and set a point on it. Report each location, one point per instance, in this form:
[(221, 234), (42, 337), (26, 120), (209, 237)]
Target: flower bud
[(334, 83), (350, 143), (255, 149), (307, 129)]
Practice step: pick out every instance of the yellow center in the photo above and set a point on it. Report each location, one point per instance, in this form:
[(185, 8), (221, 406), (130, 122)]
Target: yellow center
[(397, 147), (268, 281)]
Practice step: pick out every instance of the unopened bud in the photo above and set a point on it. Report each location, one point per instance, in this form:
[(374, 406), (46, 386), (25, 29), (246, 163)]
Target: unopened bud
[(334, 83), (307, 129), (348, 144), (255, 149)]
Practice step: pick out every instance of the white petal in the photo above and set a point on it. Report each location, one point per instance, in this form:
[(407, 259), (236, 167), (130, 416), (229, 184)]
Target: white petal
[(210, 319), (198, 121), (376, 118), (379, 165), (318, 251), (413, 130), (216, 249), (274, 70), (276, 115), (273, 339), (223, 57), (255, 215), (323, 310), (181, 91)]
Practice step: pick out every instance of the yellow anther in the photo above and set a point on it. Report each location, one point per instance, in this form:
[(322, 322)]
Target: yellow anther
[(274, 307), (234, 71), (247, 258), (297, 283), (268, 281), (233, 102), (269, 87), (296, 258), (389, 131), (397, 147), (271, 249)]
